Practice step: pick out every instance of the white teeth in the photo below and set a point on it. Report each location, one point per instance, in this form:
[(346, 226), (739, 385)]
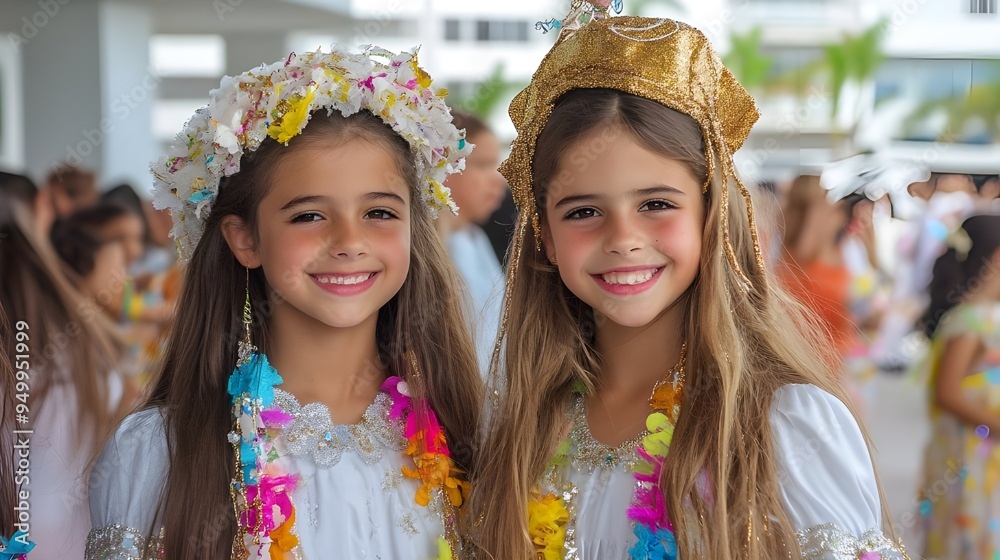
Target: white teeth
[(344, 280), (629, 278)]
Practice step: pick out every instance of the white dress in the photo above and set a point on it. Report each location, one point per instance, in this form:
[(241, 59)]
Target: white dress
[(470, 249), (825, 475), (352, 500), (59, 462)]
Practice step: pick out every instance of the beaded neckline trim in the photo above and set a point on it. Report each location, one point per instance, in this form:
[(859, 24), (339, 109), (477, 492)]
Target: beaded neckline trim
[(592, 454), (312, 432)]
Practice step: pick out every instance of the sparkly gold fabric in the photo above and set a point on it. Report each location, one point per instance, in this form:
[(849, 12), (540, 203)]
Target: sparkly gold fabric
[(116, 542), (660, 59)]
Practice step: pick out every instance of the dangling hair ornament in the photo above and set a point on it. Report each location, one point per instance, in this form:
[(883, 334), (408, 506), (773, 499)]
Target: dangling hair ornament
[(261, 496), (17, 548), (581, 13)]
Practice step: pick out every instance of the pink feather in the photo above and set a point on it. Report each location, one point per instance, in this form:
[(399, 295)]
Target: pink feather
[(276, 418)]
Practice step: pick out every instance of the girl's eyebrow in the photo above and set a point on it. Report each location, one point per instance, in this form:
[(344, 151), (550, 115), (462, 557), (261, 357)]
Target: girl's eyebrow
[(317, 198), (380, 195), (577, 198), (656, 189), (304, 199)]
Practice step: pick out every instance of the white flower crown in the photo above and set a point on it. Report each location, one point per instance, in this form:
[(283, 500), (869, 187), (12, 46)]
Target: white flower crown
[(277, 100)]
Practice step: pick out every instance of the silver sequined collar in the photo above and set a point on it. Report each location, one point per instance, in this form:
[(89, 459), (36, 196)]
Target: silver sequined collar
[(313, 432), (591, 454)]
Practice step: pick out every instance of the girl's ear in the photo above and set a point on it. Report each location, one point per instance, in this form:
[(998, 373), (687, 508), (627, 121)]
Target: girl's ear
[(240, 240)]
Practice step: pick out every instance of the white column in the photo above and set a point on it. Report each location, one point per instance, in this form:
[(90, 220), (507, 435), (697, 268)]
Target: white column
[(129, 87), (245, 51), (11, 106), (60, 50), (87, 88)]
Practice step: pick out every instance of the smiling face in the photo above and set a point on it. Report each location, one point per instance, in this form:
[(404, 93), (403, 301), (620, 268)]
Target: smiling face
[(333, 232), (625, 230)]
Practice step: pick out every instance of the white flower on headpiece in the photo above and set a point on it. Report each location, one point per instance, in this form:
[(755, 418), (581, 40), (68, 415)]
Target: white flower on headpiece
[(277, 101)]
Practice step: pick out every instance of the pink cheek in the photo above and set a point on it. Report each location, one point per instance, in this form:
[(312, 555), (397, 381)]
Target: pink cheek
[(573, 249), (683, 227)]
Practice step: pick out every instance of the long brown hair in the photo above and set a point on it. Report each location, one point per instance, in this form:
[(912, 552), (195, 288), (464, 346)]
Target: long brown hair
[(741, 348), (71, 340), (8, 488), (422, 317)]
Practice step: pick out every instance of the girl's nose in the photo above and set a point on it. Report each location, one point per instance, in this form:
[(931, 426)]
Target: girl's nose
[(346, 241), (621, 237)]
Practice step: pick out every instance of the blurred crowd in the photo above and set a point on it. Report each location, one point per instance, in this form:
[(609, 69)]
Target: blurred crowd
[(95, 274), (92, 276)]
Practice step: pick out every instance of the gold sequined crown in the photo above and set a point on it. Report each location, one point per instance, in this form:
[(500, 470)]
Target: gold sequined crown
[(660, 59)]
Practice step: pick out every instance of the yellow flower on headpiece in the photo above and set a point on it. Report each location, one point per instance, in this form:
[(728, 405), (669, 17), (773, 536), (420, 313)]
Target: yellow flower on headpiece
[(340, 81), (443, 196), (276, 100), (423, 79), (291, 123)]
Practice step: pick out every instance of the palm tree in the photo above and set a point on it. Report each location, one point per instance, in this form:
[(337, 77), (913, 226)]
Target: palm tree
[(979, 106), (745, 61), (851, 63), (855, 59), (489, 95)]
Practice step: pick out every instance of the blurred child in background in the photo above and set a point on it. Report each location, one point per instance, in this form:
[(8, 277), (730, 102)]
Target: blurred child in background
[(478, 191), (963, 320), (76, 393)]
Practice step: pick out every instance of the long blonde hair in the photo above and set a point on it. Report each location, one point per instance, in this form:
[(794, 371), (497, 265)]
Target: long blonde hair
[(741, 348)]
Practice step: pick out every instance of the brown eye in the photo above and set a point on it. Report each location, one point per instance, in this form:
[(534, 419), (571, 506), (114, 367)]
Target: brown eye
[(307, 217), (581, 213), (380, 214), (654, 205)]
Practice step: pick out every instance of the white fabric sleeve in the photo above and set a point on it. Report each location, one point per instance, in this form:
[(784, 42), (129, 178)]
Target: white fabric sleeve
[(125, 488), (826, 478)]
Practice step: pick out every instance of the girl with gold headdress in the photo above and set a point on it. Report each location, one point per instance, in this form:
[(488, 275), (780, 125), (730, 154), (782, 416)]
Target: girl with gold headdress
[(668, 400)]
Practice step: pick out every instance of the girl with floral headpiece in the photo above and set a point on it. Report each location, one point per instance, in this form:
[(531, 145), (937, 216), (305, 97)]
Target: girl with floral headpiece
[(318, 394), (668, 401)]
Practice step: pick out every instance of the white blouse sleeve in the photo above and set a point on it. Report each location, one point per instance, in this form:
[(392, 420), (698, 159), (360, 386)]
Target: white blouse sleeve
[(826, 477), (125, 488)]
